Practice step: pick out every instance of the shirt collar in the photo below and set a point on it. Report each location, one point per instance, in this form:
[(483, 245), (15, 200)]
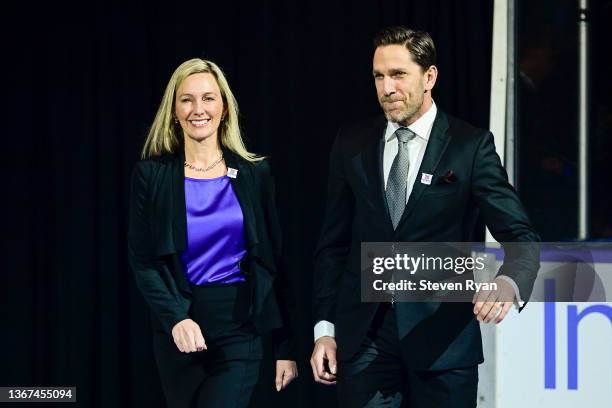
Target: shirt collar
[(421, 127)]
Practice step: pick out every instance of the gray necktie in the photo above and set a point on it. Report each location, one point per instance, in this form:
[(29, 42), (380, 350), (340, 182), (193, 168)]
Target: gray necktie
[(398, 176)]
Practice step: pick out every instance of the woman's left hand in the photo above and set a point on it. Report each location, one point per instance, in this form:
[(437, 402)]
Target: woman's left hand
[(286, 371)]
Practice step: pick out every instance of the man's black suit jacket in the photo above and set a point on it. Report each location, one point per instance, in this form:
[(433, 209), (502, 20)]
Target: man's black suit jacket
[(433, 335), (158, 234)]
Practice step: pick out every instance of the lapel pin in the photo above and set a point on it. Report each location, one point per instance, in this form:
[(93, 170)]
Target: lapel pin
[(426, 178), (232, 173)]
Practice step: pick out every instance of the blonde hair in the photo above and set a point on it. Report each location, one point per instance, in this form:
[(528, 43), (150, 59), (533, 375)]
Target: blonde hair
[(165, 135)]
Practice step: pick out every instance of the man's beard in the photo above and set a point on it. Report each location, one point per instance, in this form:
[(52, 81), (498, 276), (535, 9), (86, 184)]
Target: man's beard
[(405, 114)]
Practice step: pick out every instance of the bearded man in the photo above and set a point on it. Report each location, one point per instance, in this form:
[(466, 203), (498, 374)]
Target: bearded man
[(415, 174)]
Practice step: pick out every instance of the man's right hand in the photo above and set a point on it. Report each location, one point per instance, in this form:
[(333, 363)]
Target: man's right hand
[(323, 360), (188, 336)]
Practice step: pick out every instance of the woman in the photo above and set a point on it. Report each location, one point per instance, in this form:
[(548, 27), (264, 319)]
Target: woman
[(204, 244)]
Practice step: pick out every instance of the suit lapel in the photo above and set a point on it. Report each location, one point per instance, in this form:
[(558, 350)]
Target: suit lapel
[(372, 161), (179, 216), (438, 141), (242, 187)]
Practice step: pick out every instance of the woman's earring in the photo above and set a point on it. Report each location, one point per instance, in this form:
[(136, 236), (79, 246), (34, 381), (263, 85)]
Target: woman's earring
[(175, 120)]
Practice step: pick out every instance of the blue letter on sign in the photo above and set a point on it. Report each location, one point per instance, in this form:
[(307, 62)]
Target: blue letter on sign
[(573, 318)]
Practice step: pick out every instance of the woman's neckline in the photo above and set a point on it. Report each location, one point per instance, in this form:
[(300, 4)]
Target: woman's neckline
[(205, 179)]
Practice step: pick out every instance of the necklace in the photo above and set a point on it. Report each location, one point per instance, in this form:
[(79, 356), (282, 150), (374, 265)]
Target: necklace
[(194, 168)]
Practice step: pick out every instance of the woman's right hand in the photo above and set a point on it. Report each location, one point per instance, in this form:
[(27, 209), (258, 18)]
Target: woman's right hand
[(188, 336)]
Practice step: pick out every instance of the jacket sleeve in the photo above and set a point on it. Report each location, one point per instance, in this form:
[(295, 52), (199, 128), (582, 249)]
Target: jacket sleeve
[(331, 254), (141, 254), (283, 338), (505, 217)]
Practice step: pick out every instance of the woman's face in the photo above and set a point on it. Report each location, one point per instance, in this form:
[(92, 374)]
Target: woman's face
[(199, 106)]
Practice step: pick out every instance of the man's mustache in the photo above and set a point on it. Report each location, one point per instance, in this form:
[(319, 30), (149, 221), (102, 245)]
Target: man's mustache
[(387, 99)]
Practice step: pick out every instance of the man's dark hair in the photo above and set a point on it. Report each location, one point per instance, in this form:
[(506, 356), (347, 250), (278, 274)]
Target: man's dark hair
[(419, 43)]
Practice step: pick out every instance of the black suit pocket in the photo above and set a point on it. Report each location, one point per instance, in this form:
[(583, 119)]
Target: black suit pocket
[(441, 190)]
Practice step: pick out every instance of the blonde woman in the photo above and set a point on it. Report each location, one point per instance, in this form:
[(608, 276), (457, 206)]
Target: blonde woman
[(204, 244)]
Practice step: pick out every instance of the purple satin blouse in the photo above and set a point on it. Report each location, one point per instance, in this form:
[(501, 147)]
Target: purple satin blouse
[(215, 232)]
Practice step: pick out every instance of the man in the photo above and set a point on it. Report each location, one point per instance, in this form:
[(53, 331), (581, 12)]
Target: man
[(385, 186)]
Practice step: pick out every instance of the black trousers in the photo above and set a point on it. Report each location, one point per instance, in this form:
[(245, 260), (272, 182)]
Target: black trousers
[(380, 376), (226, 373)]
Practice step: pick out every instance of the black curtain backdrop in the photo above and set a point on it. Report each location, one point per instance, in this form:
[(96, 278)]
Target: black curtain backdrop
[(86, 85)]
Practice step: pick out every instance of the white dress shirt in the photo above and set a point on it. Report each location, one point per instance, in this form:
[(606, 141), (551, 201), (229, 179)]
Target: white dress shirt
[(416, 150)]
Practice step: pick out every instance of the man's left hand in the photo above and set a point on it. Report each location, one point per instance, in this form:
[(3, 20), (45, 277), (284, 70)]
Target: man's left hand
[(493, 305)]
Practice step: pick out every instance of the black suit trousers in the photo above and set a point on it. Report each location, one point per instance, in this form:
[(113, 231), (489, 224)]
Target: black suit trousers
[(380, 374), (225, 374)]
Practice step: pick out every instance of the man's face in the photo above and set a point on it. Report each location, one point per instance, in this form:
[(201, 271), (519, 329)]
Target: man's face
[(400, 83)]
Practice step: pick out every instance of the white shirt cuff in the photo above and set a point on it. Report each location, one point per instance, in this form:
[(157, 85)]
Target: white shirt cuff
[(324, 328), (518, 302)]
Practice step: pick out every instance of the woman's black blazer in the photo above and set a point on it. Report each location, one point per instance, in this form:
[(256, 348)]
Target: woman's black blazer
[(157, 236)]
